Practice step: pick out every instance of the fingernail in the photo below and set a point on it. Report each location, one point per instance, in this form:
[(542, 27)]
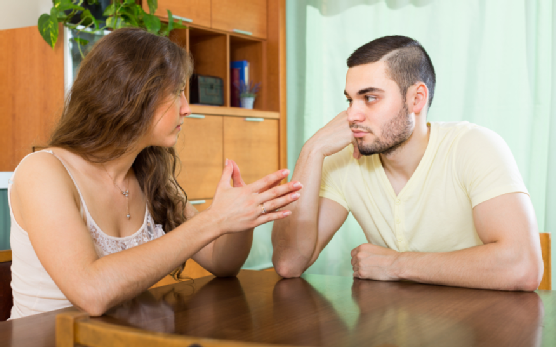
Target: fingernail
[(286, 213), (285, 172), (297, 185), (295, 195)]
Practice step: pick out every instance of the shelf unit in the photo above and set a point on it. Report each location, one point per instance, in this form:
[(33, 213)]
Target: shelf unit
[(219, 32)]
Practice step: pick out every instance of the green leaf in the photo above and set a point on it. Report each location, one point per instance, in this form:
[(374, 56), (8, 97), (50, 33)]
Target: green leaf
[(92, 2), (48, 27), (152, 23), (109, 10), (153, 5), (179, 25), (69, 6), (80, 41), (130, 2), (170, 21)]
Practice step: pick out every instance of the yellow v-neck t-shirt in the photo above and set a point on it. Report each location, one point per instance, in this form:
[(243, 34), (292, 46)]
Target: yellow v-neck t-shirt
[(464, 164)]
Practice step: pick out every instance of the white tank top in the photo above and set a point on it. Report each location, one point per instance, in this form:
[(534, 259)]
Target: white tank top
[(33, 289)]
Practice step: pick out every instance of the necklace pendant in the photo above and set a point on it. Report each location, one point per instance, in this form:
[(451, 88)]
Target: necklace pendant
[(128, 216)]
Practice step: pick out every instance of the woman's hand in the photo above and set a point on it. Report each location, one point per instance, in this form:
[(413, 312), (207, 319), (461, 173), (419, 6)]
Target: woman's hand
[(245, 206)]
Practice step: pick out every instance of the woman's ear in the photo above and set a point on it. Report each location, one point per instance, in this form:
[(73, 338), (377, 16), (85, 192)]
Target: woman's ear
[(418, 97)]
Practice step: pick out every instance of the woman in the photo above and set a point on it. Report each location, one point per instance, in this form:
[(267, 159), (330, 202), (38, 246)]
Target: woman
[(98, 217)]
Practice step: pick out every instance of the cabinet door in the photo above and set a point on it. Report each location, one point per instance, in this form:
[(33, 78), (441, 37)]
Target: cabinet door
[(198, 11), (253, 145), (199, 147), (240, 15)]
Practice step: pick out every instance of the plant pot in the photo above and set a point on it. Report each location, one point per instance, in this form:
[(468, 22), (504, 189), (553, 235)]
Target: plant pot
[(247, 101)]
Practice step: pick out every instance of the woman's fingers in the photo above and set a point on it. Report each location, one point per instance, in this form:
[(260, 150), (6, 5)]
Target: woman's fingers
[(269, 180), (278, 191), (282, 201), (236, 176), (226, 175), (271, 216)]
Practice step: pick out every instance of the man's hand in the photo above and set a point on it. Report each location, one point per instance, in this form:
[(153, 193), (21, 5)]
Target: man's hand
[(334, 137), (373, 262)]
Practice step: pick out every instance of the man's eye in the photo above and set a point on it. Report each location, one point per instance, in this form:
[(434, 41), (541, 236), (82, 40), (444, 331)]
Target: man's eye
[(369, 98)]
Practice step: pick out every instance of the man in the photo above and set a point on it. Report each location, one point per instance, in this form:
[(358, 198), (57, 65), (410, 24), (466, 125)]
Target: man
[(439, 203)]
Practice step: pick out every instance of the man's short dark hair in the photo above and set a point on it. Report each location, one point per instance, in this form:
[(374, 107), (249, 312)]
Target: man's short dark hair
[(406, 60)]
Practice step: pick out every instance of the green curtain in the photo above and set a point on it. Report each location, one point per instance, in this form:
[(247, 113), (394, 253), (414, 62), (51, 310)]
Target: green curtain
[(4, 220), (495, 63)]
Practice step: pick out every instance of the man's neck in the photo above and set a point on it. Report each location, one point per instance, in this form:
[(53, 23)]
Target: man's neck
[(402, 163)]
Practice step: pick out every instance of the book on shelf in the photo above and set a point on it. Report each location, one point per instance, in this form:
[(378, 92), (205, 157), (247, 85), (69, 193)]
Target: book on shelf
[(239, 76)]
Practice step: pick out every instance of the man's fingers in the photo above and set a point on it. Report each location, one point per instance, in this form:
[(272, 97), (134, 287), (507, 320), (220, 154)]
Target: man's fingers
[(267, 181)]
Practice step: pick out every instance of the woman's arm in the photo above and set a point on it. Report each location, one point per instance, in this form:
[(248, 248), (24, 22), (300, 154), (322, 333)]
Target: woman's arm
[(46, 206)]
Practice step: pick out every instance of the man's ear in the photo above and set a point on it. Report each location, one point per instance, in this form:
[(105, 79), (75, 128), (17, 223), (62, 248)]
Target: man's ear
[(418, 95)]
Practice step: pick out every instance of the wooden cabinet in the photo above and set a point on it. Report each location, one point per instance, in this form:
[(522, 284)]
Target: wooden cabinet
[(253, 144), (200, 149), (189, 11), (240, 16)]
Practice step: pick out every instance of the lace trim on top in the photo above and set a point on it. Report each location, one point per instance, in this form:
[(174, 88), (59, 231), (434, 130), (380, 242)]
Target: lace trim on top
[(106, 244)]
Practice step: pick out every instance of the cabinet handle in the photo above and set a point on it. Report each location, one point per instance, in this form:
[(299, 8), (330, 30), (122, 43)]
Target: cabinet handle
[(254, 119), (197, 202), (196, 116), (243, 32), (183, 19)]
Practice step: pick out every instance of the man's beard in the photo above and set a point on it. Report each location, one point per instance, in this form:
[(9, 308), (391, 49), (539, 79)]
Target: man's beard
[(394, 135)]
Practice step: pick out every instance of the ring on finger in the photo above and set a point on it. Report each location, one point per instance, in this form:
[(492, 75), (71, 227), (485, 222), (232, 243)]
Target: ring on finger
[(264, 209)]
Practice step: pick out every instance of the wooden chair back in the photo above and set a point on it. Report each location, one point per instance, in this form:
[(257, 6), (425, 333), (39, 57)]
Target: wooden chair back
[(6, 298), (546, 283), (77, 328)]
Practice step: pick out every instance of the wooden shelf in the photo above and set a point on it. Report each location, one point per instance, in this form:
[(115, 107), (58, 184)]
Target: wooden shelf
[(233, 111)]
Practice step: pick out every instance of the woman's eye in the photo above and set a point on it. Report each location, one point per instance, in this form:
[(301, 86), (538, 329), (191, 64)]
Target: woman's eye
[(369, 98), (348, 101)]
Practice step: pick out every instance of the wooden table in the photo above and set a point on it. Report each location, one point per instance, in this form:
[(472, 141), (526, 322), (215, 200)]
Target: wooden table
[(318, 310)]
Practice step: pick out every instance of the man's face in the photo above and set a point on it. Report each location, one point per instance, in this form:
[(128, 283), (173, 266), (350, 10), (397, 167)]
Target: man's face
[(377, 112)]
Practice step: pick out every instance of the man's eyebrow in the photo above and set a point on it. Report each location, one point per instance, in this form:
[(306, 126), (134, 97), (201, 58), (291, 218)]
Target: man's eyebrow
[(367, 90)]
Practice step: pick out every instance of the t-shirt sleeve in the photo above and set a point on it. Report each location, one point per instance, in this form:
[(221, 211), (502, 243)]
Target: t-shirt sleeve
[(486, 167), (332, 180)]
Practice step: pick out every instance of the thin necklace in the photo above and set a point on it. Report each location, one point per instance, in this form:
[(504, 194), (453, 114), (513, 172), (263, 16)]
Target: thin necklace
[(124, 192)]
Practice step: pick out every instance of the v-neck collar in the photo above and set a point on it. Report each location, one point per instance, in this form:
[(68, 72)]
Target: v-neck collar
[(424, 164)]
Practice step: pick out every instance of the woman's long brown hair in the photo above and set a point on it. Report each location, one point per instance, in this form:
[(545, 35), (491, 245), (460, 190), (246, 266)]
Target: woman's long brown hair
[(111, 106)]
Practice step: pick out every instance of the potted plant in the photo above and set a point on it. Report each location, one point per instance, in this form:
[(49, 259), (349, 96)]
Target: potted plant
[(247, 93), (76, 14)]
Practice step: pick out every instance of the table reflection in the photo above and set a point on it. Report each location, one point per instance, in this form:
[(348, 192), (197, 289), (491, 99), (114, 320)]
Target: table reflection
[(336, 311), (409, 314)]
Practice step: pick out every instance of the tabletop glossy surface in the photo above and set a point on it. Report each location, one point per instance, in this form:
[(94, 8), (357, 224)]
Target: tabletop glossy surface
[(318, 310)]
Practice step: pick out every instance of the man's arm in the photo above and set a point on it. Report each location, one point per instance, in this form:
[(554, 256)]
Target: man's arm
[(509, 259), (298, 240)]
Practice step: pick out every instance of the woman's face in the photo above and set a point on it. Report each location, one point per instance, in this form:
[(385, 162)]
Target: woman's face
[(168, 120)]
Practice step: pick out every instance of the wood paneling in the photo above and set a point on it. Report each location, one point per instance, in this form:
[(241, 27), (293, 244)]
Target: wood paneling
[(31, 92), (199, 147), (196, 10), (246, 15), (233, 111), (252, 145), (546, 283)]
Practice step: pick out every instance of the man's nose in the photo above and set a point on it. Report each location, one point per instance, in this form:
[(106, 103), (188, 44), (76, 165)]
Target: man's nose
[(355, 113)]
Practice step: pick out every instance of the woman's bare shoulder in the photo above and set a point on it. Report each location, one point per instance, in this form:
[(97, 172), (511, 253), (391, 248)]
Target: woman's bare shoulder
[(42, 170)]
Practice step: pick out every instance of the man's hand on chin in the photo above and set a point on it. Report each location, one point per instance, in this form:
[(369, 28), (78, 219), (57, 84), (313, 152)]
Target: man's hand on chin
[(373, 262)]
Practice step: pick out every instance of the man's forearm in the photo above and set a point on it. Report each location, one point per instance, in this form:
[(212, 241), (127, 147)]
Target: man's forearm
[(489, 266), (294, 238)]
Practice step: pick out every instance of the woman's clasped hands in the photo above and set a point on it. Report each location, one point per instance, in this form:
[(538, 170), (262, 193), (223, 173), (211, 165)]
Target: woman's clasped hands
[(239, 206)]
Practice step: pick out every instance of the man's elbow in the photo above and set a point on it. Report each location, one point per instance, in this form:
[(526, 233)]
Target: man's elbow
[(529, 274), (286, 269)]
